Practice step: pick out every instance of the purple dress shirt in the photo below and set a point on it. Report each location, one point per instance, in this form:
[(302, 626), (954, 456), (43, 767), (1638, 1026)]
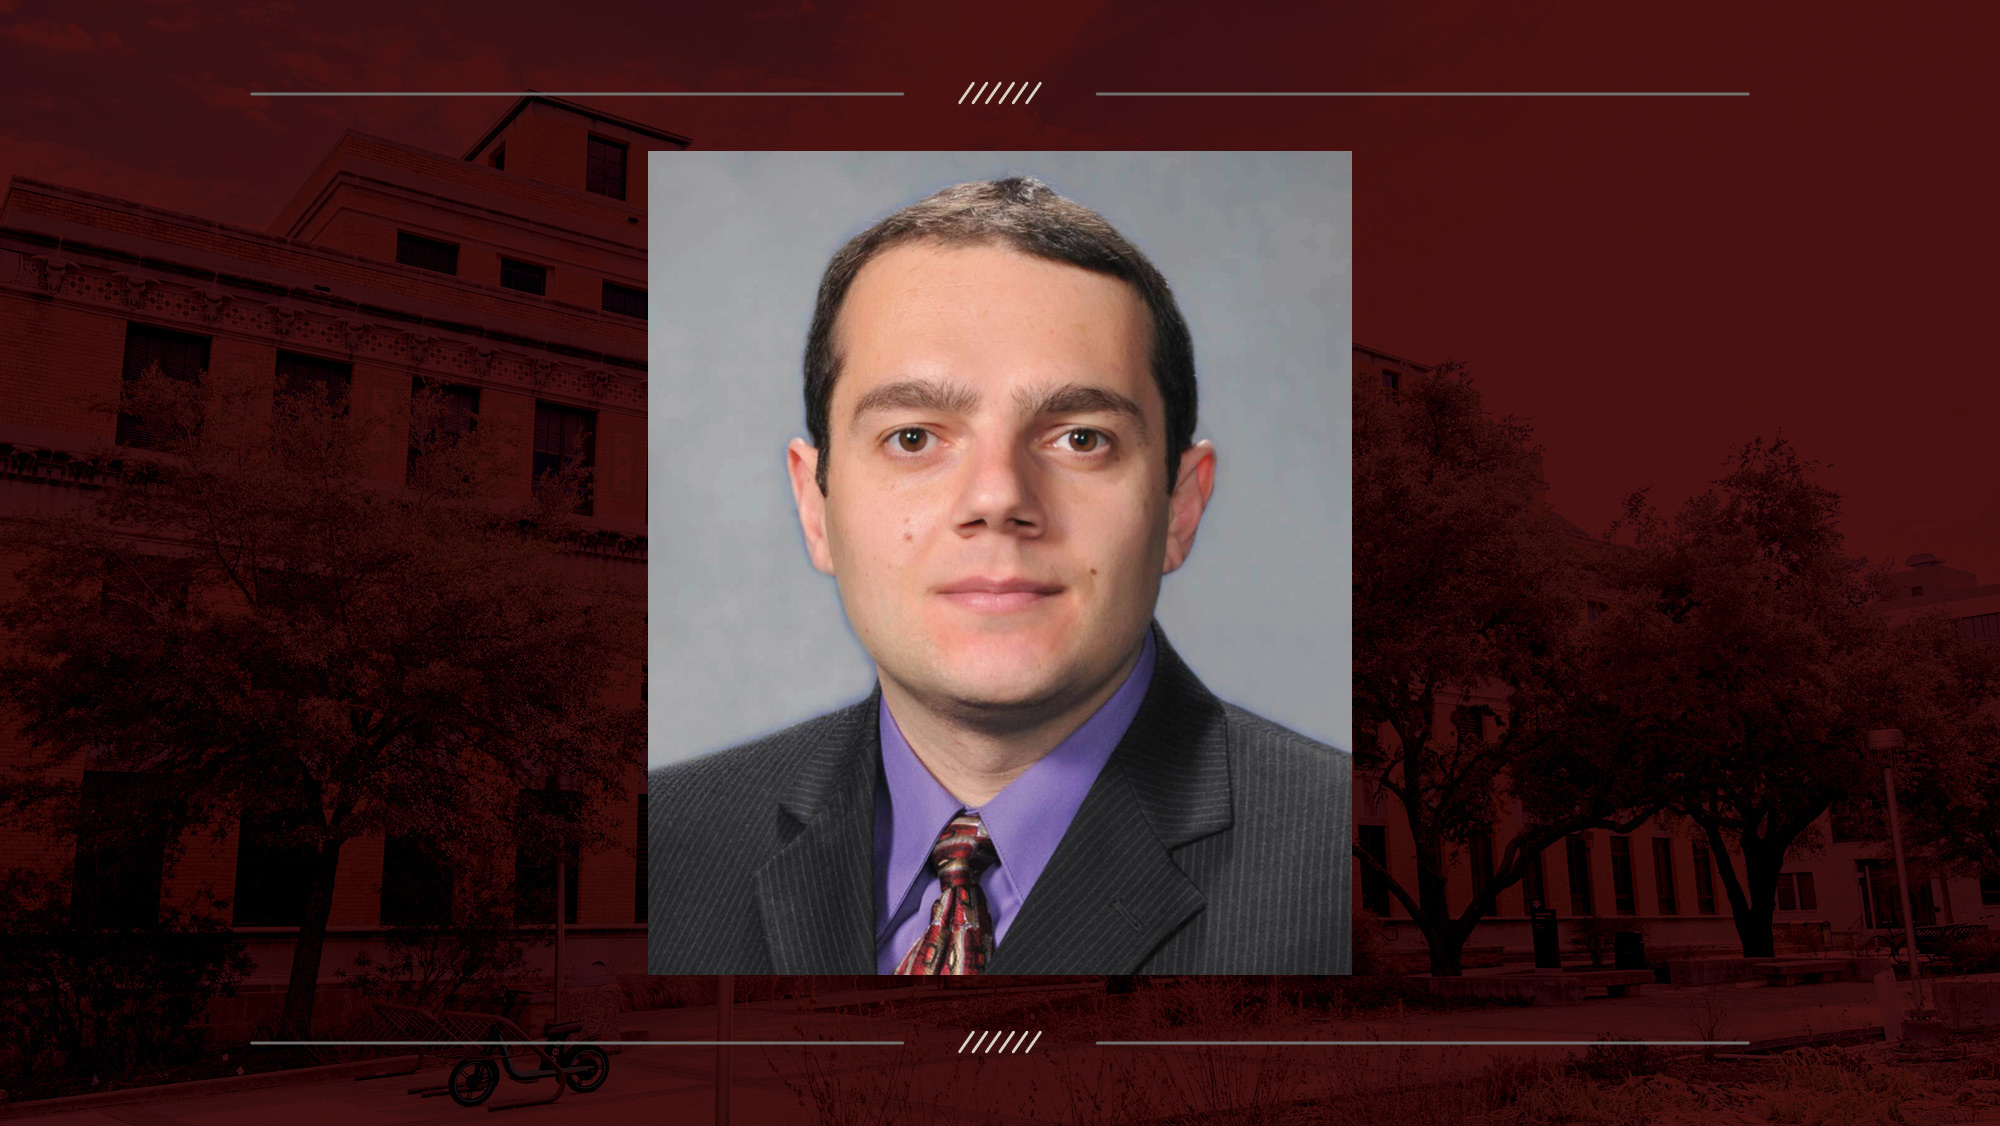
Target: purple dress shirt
[(1025, 821)]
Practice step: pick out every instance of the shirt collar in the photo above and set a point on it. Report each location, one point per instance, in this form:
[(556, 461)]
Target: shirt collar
[(1026, 820)]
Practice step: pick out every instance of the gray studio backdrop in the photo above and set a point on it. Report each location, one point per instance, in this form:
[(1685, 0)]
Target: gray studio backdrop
[(747, 638)]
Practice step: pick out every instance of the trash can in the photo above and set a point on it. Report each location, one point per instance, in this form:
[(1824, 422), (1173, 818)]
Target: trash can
[(1628, 950), (1548, 945)]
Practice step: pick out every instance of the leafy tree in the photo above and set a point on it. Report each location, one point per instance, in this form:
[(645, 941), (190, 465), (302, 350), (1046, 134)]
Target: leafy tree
[(1745, 636), (269, 634), (1948, 786), (1466, 582)]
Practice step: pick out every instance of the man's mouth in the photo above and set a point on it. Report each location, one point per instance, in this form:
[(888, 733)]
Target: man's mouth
[(988, 595)]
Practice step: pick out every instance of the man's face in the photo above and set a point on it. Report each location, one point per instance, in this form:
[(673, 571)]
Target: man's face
[(997, 511)]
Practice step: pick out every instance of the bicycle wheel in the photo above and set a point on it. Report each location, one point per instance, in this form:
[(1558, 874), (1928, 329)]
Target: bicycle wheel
[(591, 1065), (472, 1081)]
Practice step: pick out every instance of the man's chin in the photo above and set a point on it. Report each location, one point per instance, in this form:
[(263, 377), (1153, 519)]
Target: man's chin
[(1002, 689), (993, 691)]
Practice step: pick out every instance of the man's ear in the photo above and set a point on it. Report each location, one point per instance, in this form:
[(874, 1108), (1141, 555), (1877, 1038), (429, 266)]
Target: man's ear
[(1188, 502), (802, 462)]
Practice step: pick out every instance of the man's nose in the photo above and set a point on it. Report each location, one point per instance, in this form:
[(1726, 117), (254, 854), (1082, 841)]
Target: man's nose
[(999, 491)]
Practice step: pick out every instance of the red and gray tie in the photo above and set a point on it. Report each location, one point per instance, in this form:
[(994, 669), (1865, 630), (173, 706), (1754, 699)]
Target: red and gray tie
[(960, 937)]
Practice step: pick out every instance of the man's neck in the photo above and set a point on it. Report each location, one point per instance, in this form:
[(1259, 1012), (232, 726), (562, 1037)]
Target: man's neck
[(976, 758)]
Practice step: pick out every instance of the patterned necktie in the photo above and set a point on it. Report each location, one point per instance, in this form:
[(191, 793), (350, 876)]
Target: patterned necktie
[(960, 937)]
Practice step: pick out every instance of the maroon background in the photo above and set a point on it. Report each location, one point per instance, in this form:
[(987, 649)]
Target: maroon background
[(1651, 281)]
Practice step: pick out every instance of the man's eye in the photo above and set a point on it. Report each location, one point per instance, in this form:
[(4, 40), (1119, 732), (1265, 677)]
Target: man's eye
[(912, 439), (1084, 441)]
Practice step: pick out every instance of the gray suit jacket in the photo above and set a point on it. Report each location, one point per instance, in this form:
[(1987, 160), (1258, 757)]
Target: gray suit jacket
[(1213, 842)]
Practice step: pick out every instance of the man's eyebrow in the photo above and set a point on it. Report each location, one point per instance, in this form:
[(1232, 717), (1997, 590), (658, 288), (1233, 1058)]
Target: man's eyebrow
[(1075, 398), (918, 394)]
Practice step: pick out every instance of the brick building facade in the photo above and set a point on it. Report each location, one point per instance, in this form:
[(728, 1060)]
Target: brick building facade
[(515, 271)]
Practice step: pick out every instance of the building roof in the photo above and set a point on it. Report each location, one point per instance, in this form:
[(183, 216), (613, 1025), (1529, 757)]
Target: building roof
[(580, 110)]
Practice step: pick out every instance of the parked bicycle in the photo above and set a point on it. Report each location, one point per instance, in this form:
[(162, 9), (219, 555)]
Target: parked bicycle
[(581, 1065)]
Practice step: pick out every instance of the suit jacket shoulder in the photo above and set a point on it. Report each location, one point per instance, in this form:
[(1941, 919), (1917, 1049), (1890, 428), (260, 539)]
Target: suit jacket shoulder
[(716, 824), (1214, 841), (1290, 772)]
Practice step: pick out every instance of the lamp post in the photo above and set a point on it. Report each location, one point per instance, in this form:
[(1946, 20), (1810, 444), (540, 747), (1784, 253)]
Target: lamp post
[(725, 1003), (1889, 739), (562, 916)]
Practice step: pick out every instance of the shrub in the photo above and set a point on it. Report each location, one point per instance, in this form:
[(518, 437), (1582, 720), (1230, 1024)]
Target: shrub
[(1975, 953), (1613, 1060), (86, 999)]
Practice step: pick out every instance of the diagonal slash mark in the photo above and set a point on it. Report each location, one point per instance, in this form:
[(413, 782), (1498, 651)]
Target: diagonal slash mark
[(994, 93)]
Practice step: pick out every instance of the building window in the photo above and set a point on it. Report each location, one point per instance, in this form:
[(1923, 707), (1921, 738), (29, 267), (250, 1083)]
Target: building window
[(1534, 885), (1882, 900), (323, 381), (604, 171), (274, 867), (1989, 891), (1663, 875), (120, 852), (624, 299), (1373, 841), (534, 858), (1577, 852), (416, 884), (1593, 609), (499, 159), (1480, 849), (1469, 722), (426, 253), (563, 440), (1795, 892), (1392, 383), (178, 355), (639, 876), (524, 276), (1704, 879), (1980, 627), (1621, 875)]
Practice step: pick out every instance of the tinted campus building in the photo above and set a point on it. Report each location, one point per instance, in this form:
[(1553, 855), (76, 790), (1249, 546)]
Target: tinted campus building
[(513, 274), (1660, 879)]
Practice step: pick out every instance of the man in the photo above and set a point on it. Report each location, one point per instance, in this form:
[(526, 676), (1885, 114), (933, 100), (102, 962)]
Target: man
[(1000, 394)]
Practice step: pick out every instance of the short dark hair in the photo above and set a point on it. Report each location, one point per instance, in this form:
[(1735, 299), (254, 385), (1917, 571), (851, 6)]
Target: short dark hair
[(1023, 214)]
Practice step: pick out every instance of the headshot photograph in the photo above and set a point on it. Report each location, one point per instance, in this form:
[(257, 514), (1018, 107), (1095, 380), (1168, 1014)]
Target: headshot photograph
[(999, 578)]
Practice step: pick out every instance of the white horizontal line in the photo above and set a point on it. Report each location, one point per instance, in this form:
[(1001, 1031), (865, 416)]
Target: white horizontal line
[(553, 1044), (1428, 1043), (576, 93), (1423, 93)]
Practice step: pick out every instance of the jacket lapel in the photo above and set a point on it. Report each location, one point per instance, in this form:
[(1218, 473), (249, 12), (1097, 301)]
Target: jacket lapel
[(816, 893), (1112, 893)]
